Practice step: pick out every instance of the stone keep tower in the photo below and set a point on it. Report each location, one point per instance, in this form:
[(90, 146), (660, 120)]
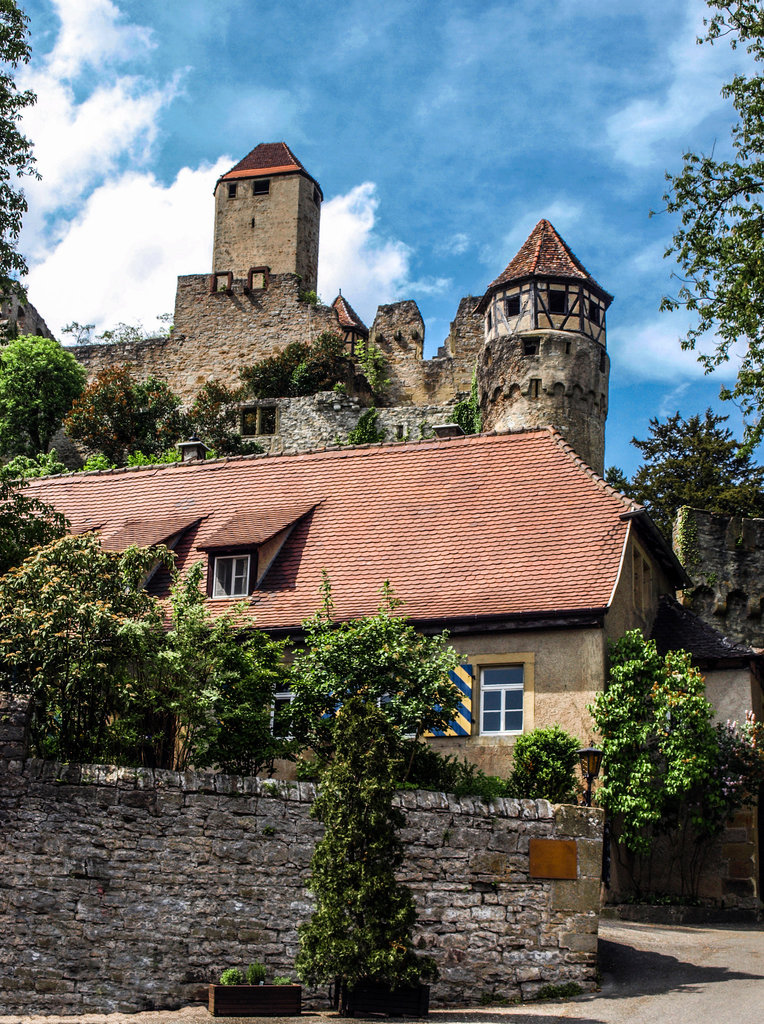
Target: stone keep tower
[(267, 214), (544, 362)]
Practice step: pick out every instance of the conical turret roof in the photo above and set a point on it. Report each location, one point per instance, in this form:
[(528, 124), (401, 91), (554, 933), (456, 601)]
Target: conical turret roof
[(545, 254), (347, 316)]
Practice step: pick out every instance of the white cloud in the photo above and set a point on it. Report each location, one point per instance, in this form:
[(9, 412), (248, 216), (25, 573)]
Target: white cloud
[(88, 117), (119, 258), (369, 269), (691, 95), (456, 245), (93, 34), (651, 351)]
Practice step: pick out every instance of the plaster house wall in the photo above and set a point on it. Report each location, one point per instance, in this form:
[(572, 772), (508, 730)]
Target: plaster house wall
[(130, 889), (564, 668)]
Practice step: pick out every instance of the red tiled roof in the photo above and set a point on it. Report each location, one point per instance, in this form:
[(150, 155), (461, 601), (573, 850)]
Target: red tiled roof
[(545, 254), (268, 158), (144, 532), (253, 527), (347, 316), (486, 525)]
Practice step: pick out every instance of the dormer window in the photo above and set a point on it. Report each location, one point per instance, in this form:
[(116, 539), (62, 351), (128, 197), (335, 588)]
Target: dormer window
[(261, 187), (231, 576)]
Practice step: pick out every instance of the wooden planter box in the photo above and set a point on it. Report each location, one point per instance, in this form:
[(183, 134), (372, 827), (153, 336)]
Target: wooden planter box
[(411, 1001), (255, 1000)]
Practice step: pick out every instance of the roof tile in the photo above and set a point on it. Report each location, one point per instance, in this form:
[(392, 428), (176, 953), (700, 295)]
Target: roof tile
[(483, 525)]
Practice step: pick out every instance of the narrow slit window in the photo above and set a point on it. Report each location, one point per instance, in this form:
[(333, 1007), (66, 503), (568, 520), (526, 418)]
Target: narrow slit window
[(603, 362), (535, 387)]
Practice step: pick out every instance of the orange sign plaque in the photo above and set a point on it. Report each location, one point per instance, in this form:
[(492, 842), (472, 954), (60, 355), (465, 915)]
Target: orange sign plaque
[(553, 858)]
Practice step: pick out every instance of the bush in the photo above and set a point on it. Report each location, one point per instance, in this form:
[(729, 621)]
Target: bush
[(300, 369), (256, 973), (543, 766), (445, 773), (231, 976)]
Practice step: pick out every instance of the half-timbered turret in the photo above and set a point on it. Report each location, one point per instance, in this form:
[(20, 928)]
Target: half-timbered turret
[(545, 361)]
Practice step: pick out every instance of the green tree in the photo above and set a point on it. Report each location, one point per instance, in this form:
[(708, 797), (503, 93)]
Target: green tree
[(39, 381), (543, 765), (74, 622), (467, 412), (299, 369), (361, 928), (215, 683), (25, 522), (378, 657), (118, 415), (719, 243), (695, 462), (667, 771), (16, 160), (215, 417)]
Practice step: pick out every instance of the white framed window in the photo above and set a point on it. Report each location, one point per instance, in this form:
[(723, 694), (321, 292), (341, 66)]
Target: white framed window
[(502, 689), (231, 577)]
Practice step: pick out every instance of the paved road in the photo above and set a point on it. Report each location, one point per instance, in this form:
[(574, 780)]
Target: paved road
[(652, 974)]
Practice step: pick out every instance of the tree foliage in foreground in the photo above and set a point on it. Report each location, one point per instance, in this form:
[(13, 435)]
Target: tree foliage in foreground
[(110, 684), (719, 245), (380, 658), (299, 369), (25, 522), (361, 929), (16, 160), (39, 381), (695, 462), (667, 770)]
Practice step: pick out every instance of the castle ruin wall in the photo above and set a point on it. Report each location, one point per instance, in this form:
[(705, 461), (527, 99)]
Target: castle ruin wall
[(724, 557), (125, 889)]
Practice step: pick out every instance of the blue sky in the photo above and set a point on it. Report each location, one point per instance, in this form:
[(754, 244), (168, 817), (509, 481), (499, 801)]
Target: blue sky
[(440, 133)]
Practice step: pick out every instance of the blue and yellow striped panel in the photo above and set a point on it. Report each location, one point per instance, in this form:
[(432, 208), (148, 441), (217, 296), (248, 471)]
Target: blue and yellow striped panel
[(462, 723)]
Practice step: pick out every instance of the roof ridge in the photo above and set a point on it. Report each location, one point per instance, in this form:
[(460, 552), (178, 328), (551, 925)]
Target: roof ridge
[(319, 450), (629, 503)]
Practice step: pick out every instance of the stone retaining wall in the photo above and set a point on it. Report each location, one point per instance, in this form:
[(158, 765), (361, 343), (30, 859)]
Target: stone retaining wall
[(129, 889)]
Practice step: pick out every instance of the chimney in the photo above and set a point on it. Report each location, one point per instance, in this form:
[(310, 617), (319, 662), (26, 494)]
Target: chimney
[(192, 450)]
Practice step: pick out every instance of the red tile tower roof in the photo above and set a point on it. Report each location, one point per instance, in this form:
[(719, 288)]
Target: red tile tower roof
[(267, 160), (545, 254), (483, 527), (347, 316)]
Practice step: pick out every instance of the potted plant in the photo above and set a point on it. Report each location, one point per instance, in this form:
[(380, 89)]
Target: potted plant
[(233, 997), (359, 937)]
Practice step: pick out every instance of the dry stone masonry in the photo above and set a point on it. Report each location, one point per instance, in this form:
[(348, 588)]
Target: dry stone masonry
[(129, 889)]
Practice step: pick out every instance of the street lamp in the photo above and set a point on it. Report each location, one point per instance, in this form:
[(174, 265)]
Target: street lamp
[(591, 759)]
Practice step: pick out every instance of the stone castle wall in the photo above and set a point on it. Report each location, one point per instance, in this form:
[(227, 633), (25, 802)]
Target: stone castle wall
[(279, 230), (724, 556), (128, 889), (564, 383), (327, 418)]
